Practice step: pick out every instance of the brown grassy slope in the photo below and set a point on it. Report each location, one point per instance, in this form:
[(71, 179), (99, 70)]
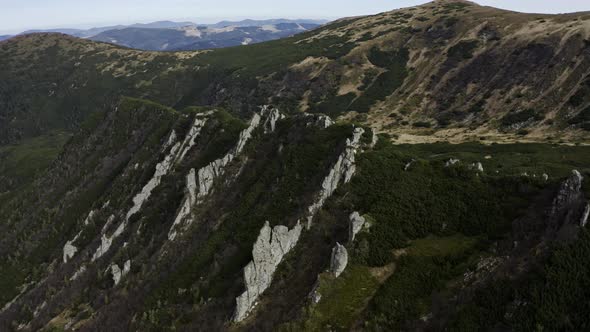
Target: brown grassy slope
[(467, 67)]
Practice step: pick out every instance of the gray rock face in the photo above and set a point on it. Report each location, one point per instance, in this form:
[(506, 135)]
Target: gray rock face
[(315, 296), (176, 155), (270, 248), (339, 260), (325, 121), (342, 171), (569, 192), (206, 176), (118, 274), (189, 201), (322, 121), (356, 223), (451, 162), (171, 140), (272, 116), (78, 273), (477, 166), (585, 215), (191, 138), (209, 173), (69, 251), (409, 164), (105, 241), (246, 134), (273, 244), (374, 139)]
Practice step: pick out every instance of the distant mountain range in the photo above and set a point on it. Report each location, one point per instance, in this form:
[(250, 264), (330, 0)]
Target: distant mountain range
[(87, 33), (169, 35), (200, 37)]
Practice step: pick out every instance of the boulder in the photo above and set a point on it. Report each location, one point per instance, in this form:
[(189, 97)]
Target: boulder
[(451, 162), (69, 251), (339, 260), (478, 166), (356, 223)]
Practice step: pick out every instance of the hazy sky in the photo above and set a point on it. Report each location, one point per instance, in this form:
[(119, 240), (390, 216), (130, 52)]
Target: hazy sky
[(18, 15)]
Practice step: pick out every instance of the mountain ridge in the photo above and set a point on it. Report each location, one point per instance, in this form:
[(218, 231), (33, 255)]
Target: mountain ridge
[(345, 178), (483, 45)]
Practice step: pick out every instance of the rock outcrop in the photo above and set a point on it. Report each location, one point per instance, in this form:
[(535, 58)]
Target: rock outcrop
[(356, 223), (272, 116), (315, 296), (78, 273), (478, 166), (118, 274), (321, 120), (191, 138), (174, 156), (269, 251), (451, 162), (569, 192), (585, 215), (339, 260), (325, 121), (208, 174), (374, 139), (342, 171), (171, 140), (409, 164), (69, 250), (272, 245), (246, 134)]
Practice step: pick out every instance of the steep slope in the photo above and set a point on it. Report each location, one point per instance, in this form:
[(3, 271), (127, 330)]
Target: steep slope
[(154, 219), (127, 177), (208, 209), (464, 70)]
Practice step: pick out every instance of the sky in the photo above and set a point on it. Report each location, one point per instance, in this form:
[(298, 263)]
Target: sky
[(19, 15)]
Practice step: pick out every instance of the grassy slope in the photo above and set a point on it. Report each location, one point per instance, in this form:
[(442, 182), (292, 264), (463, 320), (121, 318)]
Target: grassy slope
[(392, 63)]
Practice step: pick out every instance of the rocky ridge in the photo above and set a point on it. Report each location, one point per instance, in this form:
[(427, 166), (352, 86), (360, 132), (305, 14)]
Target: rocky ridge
[(268, 253)]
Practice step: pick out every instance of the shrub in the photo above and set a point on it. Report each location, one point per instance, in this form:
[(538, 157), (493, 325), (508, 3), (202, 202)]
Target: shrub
[(463, 50), (514, 118), (422, 124)]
